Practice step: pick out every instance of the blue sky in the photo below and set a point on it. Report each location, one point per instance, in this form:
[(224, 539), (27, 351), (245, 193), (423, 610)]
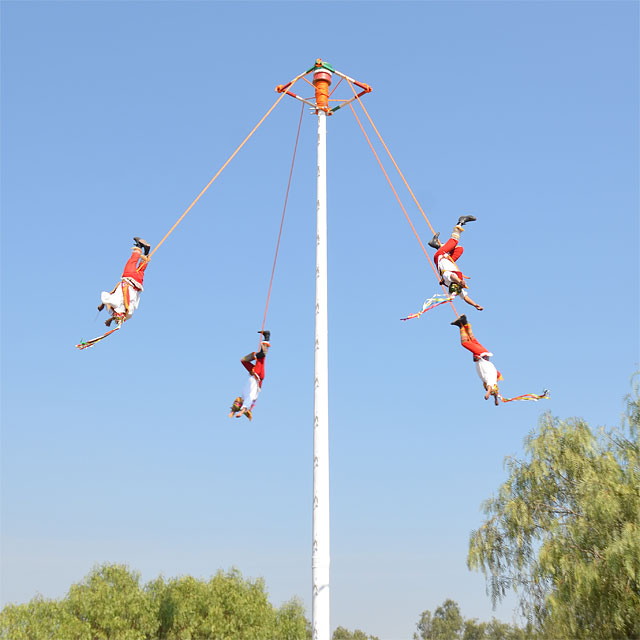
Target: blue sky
[(115, 115)]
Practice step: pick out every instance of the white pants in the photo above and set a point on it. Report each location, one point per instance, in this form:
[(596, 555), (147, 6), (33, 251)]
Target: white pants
[(115, 301), (250, 393), (487, 372)]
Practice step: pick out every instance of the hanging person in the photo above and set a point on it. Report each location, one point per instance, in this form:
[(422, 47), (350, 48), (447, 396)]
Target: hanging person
[(445, 260), (254, 364), (486, 369), (125, 298)]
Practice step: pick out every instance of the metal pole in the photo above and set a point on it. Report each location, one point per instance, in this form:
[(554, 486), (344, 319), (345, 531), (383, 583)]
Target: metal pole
[(321, 552)]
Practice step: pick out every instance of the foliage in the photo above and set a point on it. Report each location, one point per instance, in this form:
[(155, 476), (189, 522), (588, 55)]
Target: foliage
[(344, 634), (564, 529), (111, 604), (447, 623), (41, 620), (291, 622)]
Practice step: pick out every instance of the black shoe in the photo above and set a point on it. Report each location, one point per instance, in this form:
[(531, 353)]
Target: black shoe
[(462, 320), (462, 220), (143, 244), (108, 321), (435, 242), (266, 335), (101, 306)]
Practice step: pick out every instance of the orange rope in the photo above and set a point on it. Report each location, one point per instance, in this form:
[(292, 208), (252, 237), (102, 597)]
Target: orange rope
[(217, 174), (406, 215), (393, 160), (284, 209), (334, 88)]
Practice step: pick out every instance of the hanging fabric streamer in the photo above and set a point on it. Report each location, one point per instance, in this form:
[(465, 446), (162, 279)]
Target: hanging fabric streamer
[(90, 343), (433, 302), (528, 396)]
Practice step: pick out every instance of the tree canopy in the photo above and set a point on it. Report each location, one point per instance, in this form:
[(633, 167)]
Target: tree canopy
[(111, 603), (344, 634), (563, 531), (447, 623)]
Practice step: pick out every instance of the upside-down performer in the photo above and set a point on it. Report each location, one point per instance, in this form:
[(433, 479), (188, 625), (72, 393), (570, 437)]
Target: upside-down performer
[(445, 259), (486, 369), (254, 363), (125, 298)]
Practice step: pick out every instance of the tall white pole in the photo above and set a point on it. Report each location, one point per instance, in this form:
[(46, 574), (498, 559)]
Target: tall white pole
[(321, 628)]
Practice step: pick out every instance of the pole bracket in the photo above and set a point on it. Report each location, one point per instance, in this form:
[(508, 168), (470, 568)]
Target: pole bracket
[(322, 75)]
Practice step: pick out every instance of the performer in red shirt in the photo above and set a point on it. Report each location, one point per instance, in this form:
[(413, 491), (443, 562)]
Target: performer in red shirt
[(254, 364), (445, 259), (125, 298), (485, 369)]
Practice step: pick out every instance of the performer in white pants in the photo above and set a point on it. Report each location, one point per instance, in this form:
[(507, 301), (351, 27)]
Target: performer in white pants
[(485, 369), (125, 298), (445, 259), (254, 364)]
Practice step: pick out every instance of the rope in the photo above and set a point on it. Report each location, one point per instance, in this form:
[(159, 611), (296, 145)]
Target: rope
[(284, 210), (424, 215), (406, 215), (264, 117)]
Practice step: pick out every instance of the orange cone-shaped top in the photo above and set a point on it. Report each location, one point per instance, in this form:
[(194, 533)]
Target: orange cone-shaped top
[(321, 81)]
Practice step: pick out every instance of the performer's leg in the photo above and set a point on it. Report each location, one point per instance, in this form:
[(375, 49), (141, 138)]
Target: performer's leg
[(450, 246), (247, 362), (130, 269), (447, 247), (468, 331), (133, 269), (254, 390), (467, 339), (249, 395), (471, 343), (435, 241), (474, 346), (144, 262)]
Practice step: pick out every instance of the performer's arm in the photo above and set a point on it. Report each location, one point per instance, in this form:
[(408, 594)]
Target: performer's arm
[(491, 391), (468, 300)]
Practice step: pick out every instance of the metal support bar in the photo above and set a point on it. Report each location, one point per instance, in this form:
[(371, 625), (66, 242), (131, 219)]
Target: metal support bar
[(344, 104)]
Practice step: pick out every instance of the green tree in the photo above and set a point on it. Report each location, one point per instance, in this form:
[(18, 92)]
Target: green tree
[(111, 601), (497, 630), (564, 529), (474, 630), (344, 634), (291, 623), (227, 606), (445, 624), (110, 604), (41, 620)]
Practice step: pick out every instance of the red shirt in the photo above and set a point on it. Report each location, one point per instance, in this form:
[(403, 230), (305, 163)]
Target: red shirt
[(256, 369)]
